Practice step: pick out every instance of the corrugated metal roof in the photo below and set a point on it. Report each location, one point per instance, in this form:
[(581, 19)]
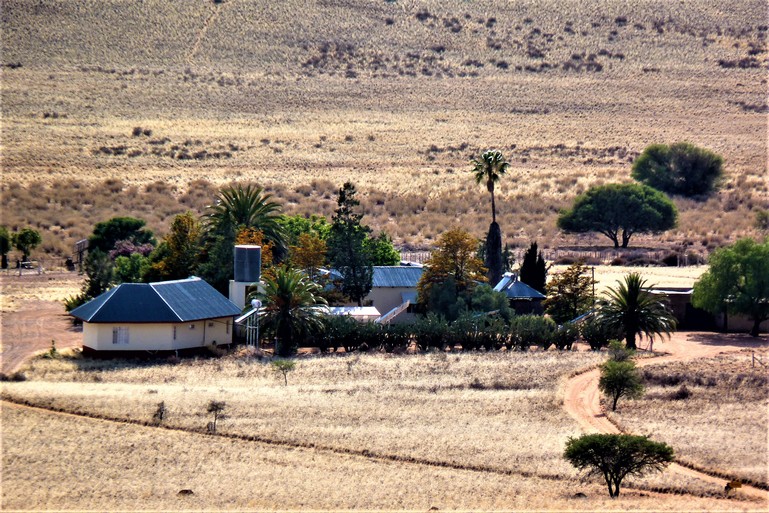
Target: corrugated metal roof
[(170, 301), (396, 276), (515, 289)]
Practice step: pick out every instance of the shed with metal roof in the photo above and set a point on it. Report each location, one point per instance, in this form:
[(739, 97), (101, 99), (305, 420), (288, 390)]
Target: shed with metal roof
[(523, 298)]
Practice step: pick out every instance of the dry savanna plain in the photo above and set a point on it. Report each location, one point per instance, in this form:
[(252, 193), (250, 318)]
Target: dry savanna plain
[(145, 108)]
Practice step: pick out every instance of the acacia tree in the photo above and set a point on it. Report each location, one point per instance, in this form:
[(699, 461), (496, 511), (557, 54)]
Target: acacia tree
[(570, 293), (619, 211), (348, 249), (107, 234), (615, 457), (454, 260), (737, 281), (632, 310), (620, 379), (489, 169), (681, 168)]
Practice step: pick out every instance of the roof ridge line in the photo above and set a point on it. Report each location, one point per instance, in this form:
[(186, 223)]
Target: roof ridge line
[(152, 286)]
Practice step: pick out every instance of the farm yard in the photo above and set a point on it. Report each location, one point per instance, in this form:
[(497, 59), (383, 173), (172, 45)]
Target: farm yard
[(341, 138)]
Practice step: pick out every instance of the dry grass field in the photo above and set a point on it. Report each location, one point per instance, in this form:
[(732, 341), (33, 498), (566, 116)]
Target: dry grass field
[(144, 108), (469, 431), (727, 394)]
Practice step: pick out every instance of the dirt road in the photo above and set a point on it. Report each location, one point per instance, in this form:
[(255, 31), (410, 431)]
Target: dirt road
[(31, 328), (582, 397)]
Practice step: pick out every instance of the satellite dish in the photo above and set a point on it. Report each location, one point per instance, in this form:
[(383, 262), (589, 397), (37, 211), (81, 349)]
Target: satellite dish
[(255, 303)]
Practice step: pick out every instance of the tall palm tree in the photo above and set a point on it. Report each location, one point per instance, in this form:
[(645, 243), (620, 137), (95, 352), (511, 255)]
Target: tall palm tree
[(247, 207), (292, 308), (631, 309), (489, 169)]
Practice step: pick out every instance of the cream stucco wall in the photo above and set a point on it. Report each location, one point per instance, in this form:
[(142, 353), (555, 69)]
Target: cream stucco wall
[(387, 298), (159, 337)]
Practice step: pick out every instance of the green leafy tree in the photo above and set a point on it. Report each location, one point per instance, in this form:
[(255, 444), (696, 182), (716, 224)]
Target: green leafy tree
[(382, 250), (489, 169), (348, 247), (681, 168), (26, 240), (738, 281), (619, 211), (296, 225), (100, 274), (620, 379), (762, 220), (130, 269), (570, 293), (292, 308), (615, 457), (534, 269), (177, 256), (454, 257), (632, 310), (107, 234), (283, 367), (5, 246)]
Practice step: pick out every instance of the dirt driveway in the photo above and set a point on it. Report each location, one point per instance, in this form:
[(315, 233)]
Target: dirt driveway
[(582, 396), (33, 315)]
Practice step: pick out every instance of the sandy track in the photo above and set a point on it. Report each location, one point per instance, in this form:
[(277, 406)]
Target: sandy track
[(582, 397), (30, 330)]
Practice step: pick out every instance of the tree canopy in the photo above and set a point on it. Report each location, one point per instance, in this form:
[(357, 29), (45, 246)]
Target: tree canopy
[(681, 168), (616, 456), (619, 211), (108, 233), (454, 258), (26, 240), (570, 293), (5, 246), (489, 169), (738, 281)]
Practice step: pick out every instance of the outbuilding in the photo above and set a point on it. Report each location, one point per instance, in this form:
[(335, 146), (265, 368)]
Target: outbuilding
[(523, 298), (163, 316)]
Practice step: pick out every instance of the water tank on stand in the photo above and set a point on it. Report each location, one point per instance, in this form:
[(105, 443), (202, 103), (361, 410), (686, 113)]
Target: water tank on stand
[(248, 263)]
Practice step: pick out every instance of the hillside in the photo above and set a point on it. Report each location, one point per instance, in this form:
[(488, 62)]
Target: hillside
[(103, 99)]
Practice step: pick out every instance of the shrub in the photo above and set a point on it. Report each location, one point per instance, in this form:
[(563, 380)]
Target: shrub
[(620, 379), (596, 333), (565, 336), (530, 330), (431, 331)]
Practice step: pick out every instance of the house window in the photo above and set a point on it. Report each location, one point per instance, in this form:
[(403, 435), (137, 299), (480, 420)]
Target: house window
[(228, 327), (174, 332), (120, 335)]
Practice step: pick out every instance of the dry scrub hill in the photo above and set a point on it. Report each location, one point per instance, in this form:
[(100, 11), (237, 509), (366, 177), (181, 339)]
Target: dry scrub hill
[(104, 99)]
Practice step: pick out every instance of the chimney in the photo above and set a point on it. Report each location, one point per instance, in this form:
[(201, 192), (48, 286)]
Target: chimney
[(248, 270)]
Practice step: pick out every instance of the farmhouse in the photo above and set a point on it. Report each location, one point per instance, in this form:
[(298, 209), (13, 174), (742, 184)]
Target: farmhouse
[(523, 299), (162, 316), (394, 290)]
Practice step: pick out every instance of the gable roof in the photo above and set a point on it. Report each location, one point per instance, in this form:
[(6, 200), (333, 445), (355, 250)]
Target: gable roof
[(396, 276), (186, 300), (515, 289)]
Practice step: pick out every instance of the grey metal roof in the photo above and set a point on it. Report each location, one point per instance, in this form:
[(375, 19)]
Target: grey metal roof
[(186, 300), (515, 289), (396, 276)]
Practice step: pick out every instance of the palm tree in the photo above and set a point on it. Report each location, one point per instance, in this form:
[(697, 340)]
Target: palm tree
[(247, 207), (489, 169), (631, 309), (292, 308)]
